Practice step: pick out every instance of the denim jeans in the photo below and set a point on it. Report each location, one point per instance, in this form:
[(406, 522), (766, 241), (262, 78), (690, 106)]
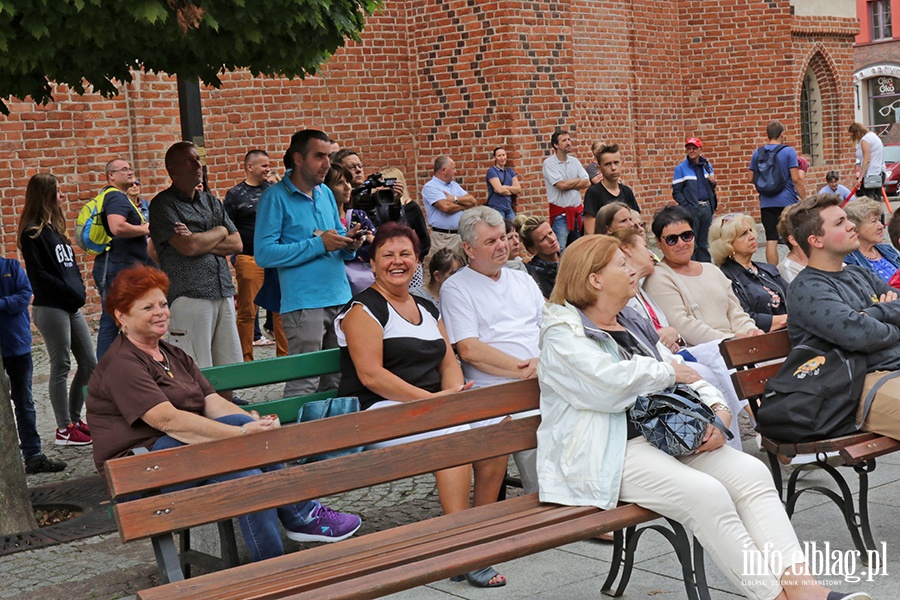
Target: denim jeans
[(507, 212), (104, 272), (260, 530), (561, 228), (20, 368)]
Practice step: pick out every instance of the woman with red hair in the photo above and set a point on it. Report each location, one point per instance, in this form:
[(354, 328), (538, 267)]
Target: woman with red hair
[(148, 393)]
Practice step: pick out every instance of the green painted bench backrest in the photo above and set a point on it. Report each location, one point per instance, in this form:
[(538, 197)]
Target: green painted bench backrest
[(277, 370)]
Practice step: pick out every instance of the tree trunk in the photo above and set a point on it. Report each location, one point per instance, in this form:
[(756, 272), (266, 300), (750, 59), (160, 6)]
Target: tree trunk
[(15, 503)]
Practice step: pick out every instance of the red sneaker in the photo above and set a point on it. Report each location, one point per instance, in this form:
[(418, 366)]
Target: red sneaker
[(72, 436), (83, 427)]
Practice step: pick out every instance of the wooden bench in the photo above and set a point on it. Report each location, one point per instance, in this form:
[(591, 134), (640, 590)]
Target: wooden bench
[(753, 357), (392, 560)]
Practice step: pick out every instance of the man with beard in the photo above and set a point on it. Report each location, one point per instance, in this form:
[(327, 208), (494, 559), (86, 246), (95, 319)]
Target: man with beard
[(299, 232)]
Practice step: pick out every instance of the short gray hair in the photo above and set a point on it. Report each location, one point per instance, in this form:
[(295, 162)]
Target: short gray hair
[(862, 209), (472, 217)]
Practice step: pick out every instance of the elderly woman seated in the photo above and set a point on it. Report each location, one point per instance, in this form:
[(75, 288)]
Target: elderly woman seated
[(148, 393), (696, 297), (596, 358), (873, 253), (758, 286), (394, 349)]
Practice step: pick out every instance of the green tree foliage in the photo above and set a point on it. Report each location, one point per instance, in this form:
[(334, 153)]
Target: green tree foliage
[(97, 43)]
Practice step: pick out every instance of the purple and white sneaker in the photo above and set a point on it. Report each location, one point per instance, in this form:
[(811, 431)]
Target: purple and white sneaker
[(326, 525)]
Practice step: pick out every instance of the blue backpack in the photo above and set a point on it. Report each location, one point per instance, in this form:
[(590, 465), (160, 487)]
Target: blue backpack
[(768, 176)]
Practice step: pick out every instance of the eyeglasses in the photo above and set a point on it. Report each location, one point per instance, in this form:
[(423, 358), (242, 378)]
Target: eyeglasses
[(136, 183), (685, 236), (122, 170)]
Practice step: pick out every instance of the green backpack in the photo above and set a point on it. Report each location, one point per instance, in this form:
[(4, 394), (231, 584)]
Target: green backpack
[(90, 234)]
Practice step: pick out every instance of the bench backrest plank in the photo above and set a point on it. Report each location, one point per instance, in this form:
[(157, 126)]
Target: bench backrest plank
[(155, 470), (178, 510), (750, 351), (273, 370)]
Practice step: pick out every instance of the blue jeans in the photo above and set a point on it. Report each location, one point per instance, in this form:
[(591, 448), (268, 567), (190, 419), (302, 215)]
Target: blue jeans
[(561, 228), (506, 211), (260, 530), (104, 273), (20, 368)]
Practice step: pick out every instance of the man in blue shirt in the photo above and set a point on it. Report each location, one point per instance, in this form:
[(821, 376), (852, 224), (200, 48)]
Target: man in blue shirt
[(771, 205), (298, 231), (444, 200), (833, 186), (694, 188)]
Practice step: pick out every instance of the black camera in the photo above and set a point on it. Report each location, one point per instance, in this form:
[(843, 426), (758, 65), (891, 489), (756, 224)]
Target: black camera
[(372, 193)]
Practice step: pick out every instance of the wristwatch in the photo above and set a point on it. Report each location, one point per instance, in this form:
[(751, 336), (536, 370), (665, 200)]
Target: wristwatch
[(455, 200), (720, 406)]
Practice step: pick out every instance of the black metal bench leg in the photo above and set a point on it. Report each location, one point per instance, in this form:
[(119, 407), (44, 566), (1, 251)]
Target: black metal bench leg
[(692, 568), (857, 522), (167, 558)]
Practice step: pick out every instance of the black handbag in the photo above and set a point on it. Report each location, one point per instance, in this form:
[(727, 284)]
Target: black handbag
[(674, 419), (814, 396), (321, 409)]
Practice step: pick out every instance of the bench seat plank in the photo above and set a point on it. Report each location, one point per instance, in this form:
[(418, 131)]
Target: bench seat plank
[(273, 370), (871, 447), (790, 449), (177, 510), (155, 470), (411, 555)]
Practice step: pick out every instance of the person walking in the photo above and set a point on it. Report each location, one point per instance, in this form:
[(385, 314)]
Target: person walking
[(870, 156)]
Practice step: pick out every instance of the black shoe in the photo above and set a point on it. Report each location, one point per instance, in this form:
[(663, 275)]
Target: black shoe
[(235, 399), (42, 464)]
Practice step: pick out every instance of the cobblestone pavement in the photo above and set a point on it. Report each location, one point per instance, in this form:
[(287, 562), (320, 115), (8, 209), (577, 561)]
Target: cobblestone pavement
[(102, 568)]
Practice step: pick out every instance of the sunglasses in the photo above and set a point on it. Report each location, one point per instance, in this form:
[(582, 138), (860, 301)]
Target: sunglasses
[(137, 182), (686, 236)]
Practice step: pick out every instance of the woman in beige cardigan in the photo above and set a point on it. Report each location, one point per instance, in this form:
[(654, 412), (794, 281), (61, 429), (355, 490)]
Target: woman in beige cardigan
[(696, 297)]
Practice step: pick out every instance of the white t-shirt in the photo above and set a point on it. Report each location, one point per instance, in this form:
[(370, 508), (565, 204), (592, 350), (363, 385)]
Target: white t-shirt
[(504, 314), (876, 153)]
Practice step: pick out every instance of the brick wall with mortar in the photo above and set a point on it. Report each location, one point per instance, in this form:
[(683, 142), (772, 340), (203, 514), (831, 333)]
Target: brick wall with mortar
[(461, 77)]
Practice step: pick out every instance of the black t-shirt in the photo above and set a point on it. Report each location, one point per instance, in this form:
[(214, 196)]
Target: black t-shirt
[(125, 251), (240, 204), (598, 196)]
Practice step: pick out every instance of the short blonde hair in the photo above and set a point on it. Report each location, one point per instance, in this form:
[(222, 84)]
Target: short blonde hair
[(860, 210), (586, 255), (723, 231)]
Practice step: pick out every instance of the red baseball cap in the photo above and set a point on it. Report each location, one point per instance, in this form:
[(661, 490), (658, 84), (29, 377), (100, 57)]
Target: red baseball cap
[(693, 142)]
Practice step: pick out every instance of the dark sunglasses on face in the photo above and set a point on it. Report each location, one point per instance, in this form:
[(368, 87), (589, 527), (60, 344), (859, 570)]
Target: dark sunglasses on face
[(686, 236)]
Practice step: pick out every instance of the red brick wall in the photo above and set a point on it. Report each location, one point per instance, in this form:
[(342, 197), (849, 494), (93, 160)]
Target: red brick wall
[(460, 77)]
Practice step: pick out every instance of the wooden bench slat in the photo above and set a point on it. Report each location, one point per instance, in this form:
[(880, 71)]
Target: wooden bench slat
[(312, 557), (289, 575), (155, 470), (830, 445), (186, 508), (740, 352), (750, 383), (273, 370), (871, 448)]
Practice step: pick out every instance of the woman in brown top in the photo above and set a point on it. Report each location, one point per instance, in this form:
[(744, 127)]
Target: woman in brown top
[(148, 393)]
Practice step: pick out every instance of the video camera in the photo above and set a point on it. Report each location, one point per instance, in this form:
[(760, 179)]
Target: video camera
[(368, 195)]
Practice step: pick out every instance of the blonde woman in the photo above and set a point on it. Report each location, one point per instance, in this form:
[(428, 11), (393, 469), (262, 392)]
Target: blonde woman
[(758, 286)]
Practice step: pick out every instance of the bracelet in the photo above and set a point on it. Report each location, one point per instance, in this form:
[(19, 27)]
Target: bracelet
[(720, 406), (243, 430)]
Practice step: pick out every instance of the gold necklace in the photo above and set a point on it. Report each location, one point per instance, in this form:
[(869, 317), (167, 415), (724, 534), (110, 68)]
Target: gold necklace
[(165, 365)]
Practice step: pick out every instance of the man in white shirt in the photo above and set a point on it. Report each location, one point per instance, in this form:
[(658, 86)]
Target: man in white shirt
[(565, 179), (493, 315), (444, 201)]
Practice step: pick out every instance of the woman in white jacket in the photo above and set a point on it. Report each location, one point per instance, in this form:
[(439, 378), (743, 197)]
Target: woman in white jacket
[(596, 357)]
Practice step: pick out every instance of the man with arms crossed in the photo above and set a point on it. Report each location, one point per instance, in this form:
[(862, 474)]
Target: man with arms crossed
[(444, 201), (565, 179), (493, 315), (845, 306), (193, 235)]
